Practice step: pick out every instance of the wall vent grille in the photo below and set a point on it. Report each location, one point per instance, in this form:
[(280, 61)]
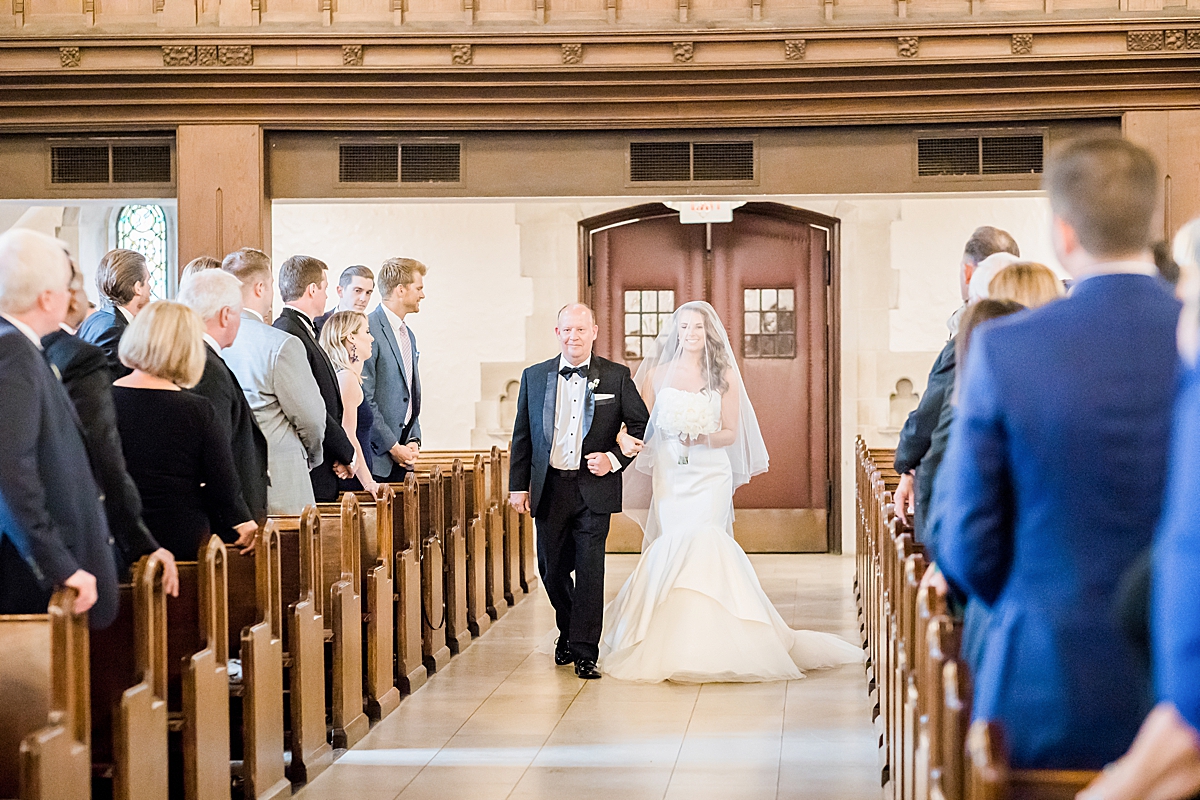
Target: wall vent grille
[(79, 164), (1019, 154), (687, 162), (368, 163), (143, 163), (430, 163)]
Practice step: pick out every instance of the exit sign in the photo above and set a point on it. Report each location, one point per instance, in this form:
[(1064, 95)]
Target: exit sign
[(706, 211)]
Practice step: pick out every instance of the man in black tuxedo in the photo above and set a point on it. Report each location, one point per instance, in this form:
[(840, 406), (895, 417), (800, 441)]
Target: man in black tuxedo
[(216, 296), (303, 286), (52, 526), (124, 283), (85, 375), (564, 467)]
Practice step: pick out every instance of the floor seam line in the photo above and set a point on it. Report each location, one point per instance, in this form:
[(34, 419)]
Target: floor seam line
[(542, 746), (682, 742)]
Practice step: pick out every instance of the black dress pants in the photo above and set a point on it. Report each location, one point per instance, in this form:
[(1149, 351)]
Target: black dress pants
[(571, 537)]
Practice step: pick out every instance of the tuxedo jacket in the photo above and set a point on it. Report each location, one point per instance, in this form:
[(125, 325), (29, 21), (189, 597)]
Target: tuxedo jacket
[(337, 445), (917, 433), (50, 506), (104, 328), (85, 376), (1054, 479), (385, 387), (237, 422), (613, 400)]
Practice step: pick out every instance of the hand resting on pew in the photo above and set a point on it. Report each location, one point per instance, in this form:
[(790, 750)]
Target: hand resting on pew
[(519, 501), (904, 499), (84, 583), (1163, 763), (247, 532), (933, 578), (170, 571)]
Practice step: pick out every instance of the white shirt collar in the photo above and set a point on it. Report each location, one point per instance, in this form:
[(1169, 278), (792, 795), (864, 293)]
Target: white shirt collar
[(68, 328), (307, 318), (562, 362), (212, 342), (393, 318), (257, 315), (124, 312), (29, 332)]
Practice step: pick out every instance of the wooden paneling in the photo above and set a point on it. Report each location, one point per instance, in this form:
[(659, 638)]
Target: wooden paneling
[(222, 194), (1174, 138)]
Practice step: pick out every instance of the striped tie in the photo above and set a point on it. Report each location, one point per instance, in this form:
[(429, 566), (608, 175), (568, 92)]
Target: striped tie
[(406, 356)]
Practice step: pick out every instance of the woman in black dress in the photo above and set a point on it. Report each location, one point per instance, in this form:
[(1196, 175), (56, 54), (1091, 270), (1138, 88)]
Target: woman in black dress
[(346, 337), (174, 448)]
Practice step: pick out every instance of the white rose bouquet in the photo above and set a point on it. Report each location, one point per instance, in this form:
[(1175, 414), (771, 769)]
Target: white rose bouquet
[(688, 416)]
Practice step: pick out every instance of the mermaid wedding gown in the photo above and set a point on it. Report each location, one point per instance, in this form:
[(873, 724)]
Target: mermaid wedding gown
[(693, 609)]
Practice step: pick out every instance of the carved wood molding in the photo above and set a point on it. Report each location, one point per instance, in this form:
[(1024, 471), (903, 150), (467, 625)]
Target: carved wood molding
[(683, 52), (207, 55), (908, 46), (461, 54), (352, 55), (794, 49), (572, 53), (69, 56), (1022, 44)]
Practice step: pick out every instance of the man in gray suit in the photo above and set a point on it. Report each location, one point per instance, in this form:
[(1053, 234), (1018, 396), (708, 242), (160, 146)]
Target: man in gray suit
[(272, 368), (391, 378)]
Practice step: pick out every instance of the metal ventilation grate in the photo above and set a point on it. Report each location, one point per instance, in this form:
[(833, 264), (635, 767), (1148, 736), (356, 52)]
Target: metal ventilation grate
[(1012, 155), (430, 163), (958, 156), (80, 164), (723, 161), (149, 163), (368, 163), (660, 161)]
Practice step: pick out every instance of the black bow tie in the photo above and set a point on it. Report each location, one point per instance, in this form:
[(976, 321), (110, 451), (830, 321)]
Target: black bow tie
[(567, 372)]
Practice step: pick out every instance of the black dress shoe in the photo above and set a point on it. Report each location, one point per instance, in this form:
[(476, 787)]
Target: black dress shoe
[(586, 669), (563, 654)]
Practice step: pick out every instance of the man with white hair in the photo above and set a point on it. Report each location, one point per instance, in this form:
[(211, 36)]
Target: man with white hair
[(53, 530), (216, 296)]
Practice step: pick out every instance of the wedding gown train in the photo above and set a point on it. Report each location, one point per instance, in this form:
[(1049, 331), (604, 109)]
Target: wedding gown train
[(693, 610)]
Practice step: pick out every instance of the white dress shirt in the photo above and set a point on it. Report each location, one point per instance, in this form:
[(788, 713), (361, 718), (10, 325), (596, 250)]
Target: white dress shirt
[(567, 449), (211, 342), (124, 312), (29, 332)]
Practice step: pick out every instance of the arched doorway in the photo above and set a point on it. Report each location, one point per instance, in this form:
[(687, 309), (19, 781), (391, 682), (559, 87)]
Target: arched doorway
[(771, 274)]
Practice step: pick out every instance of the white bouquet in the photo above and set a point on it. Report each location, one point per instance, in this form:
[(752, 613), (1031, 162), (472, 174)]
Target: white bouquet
[(688, 415)]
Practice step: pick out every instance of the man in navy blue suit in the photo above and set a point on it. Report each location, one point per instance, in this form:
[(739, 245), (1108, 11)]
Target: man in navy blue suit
[(52, 525), (1056, 468)]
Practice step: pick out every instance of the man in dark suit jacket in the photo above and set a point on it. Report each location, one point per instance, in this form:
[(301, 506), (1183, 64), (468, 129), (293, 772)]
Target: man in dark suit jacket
[(1056, 466), (124, 283), (52, 526), (216, 296), (918, 429), (303, 286), (573, 489)]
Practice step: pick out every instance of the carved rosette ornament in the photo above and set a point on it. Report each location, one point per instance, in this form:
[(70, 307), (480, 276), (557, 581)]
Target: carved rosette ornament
[(179, 55), (572, 53), (461, 55), (794, 49), (684, 51), (907, 46), (235, 55), (352, 55), (1022, 44), (206, 55), (1144, 41), (69, 56)]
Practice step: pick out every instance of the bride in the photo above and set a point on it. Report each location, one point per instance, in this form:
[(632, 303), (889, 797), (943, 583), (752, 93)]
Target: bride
[(693, 609)]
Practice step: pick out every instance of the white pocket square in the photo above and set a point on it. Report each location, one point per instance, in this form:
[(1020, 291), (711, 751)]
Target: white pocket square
[(605, 396)]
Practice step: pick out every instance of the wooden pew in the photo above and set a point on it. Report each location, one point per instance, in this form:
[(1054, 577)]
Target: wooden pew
[(301, 561), (198, 675), (941, 733), (45, 735), (523, 548), (128, 673), (435, 650), (990, 778), (383, 697), (341, 541), (411, 673), (256, 620), (447, 518)]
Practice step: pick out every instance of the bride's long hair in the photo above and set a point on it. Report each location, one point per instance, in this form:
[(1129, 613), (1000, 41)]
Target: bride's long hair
[(662, 370)]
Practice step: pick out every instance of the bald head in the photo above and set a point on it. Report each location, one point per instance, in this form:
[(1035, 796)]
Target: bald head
[(35, 273), (576, 332)]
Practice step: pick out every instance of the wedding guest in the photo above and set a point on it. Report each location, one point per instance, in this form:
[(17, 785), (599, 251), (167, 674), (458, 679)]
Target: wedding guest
[(302, 285), (347, 339), (216, 296), (272, 370), (354, 290), (1029, 283), (392, 376), (53, 531), (197, 265), (1167, 267), (914, 437), (85, 375), (177, 453), (1056, 467), (124, 283)]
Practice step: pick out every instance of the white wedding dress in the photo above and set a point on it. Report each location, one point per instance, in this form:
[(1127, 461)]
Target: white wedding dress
[(693, 609)]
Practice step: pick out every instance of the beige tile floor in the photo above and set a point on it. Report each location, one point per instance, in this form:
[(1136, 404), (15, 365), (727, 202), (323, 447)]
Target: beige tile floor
[(501, 722)]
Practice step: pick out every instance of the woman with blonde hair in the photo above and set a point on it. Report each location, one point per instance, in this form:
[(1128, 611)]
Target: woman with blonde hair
[(174, 449), (347, 339), (1029, 283)]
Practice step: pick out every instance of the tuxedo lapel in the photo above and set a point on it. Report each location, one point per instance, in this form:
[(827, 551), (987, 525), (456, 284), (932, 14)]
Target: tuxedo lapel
[(548, 405), (390, 335), (589, 397)]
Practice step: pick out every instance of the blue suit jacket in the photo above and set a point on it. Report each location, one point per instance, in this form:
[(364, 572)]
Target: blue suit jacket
[(1054, 482), (1175, 603), (50, 507), (386, 389)]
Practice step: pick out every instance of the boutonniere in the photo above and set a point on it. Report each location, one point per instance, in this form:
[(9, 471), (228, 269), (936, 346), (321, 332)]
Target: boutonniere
[(592, 384)]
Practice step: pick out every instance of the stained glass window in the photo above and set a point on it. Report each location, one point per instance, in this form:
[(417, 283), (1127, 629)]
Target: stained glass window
[(770, 323), (646, 310), (144, 229)]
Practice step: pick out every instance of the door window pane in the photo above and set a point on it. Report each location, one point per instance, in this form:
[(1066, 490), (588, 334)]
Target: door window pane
[(646, 312), (769, 323), (144, 229)]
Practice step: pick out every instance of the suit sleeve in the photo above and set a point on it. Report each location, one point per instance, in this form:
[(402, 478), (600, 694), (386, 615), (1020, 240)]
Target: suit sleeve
[(918, 428), (975, 544), (300, 397), (22, 495), (633, 408), (383, 438), (220, 394), (520, 457), (337, 443), (220, 477), (90, 390)]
